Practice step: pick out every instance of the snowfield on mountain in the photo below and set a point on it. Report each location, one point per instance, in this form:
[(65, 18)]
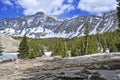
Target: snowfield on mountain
[(41, 25)]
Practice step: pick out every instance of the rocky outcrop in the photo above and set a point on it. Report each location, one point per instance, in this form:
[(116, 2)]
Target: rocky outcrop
[(8, 43), (100, 66)]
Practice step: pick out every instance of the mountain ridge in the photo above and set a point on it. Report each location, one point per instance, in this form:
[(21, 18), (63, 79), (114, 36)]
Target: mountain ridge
[(41, 25)]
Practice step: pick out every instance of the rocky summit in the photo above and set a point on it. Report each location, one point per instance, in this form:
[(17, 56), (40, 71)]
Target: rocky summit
[(41, 25)]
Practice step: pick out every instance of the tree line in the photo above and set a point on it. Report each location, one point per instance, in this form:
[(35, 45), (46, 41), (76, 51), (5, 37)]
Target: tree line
[(77, 46)]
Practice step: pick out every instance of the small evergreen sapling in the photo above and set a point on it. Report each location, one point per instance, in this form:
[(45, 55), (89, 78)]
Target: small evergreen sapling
[(1, 49)]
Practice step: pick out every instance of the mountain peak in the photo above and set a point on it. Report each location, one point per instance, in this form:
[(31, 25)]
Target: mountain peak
[(40, 13), (42, 25)]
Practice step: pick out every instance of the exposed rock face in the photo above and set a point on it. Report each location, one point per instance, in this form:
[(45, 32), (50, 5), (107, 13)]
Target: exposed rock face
[(8, 43), (42, 25), (99, 66)]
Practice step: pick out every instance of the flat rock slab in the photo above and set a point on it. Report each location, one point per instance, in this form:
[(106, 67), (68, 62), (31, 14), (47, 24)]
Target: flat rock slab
[(88, 67)]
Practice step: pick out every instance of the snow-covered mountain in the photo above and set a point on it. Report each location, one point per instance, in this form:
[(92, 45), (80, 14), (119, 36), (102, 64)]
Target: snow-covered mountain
[(41, 25)]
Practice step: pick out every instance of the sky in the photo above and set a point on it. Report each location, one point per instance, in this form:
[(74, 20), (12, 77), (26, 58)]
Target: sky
[(59, 8)]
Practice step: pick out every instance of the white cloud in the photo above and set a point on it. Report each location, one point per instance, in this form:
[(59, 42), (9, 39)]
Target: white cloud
[(61, 10), (7, 2), (56, 2), (70, 1), (97, 6), (53, 7)]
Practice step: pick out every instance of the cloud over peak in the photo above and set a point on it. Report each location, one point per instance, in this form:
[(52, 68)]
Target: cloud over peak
[(97, 6), (61, 7), (53, 7)]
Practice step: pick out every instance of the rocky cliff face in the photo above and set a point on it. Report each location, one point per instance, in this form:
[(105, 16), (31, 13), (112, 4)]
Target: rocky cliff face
[(42, 25), (8, 43)]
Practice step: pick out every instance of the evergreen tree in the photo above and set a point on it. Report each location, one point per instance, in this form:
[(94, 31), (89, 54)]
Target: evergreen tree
[(65, 48), (24, 48), (86, 36), (60, 48), (74, 51), (40, 51), (104, 44), (93, 45), (56, 50), (118, 13), (82, 46), (1, 49), (111, 42), (31, 54)]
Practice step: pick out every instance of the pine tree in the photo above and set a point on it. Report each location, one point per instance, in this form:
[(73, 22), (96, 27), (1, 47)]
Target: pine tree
[(65, 48), (1, 49), (93, 45), (56, 50), (86, 36), (74, 51), (60, 48), (118, 13), (82, 46), (24, 48), (104, 44), (31, 54)]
